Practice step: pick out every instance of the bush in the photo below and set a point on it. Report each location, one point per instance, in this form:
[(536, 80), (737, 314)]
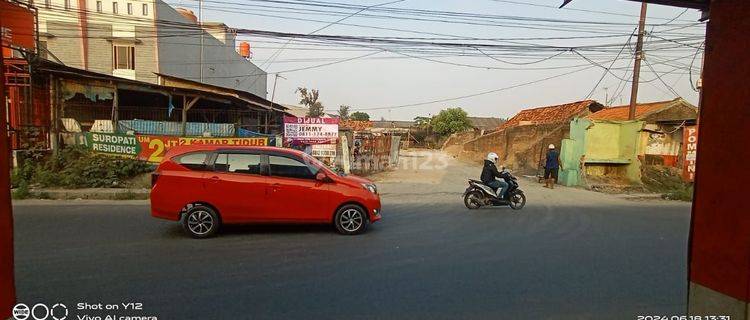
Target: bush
[(76, 167), (22, 191), (666, 180)]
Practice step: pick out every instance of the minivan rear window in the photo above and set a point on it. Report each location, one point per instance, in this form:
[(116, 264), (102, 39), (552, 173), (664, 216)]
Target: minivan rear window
[(193, 161)]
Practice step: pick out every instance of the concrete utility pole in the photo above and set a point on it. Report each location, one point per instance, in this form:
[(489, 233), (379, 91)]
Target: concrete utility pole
[(200, 25), (637, 66)]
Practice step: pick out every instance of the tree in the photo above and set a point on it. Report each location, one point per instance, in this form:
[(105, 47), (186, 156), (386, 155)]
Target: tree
[(450, 121), (344, 112), (360, 116), (309, 98)]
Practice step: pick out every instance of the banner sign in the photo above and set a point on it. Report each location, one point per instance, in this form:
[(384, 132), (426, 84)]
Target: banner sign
[(311, 130), (17, 29), (119, 144), (153, 148), (323, 150), (689, 152)]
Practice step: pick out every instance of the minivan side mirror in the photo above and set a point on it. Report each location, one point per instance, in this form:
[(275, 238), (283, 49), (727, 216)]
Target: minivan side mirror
[(322, 177)]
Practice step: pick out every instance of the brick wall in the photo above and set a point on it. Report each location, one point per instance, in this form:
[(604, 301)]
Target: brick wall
[(146, 62), (100, 49), (66, 43), (520, 148)]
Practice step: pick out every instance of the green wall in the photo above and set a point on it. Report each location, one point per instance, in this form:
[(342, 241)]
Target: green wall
[(605, 143)]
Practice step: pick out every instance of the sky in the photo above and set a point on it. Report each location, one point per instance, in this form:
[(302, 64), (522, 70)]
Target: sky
[(386, 83)]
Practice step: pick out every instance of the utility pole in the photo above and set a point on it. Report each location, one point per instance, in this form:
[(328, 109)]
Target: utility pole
[(637, 66), (273, 93), (200, 25)]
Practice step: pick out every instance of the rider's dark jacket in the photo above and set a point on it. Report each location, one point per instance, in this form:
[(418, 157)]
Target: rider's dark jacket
[(489, 172)]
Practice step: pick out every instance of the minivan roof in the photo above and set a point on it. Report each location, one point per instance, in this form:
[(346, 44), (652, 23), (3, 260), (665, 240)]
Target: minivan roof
[(178, 150)]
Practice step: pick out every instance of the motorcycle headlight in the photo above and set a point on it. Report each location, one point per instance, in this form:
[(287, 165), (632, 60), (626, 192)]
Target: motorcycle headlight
[(371, 187)]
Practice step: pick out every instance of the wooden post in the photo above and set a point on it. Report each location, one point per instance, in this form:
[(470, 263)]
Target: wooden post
[(267, 121), (54, 106), (115, 109), (186, 105), (7, 280)]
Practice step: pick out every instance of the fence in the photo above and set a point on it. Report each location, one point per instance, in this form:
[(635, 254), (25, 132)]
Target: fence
[(370, 153)]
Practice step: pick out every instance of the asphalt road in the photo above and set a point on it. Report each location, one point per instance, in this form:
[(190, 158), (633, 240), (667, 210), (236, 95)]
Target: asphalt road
[(570, 254)]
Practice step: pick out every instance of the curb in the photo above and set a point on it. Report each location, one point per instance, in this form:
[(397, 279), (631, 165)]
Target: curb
[(90, 194)]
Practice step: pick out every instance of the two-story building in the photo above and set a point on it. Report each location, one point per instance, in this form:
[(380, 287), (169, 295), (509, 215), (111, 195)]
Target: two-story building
[(144, 40)]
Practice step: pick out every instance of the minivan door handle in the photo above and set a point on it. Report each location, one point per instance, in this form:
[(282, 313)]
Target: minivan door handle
[(214, 179)]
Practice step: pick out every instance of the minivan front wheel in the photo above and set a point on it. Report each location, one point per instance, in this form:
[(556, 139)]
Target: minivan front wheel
[(201, 222), (351, 219)]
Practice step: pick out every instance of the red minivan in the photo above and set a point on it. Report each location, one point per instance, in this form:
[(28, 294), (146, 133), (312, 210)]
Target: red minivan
[(205, 186)]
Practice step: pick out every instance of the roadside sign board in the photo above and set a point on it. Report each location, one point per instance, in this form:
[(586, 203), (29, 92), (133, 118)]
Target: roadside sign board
[(324, 150), (119, 144), (17, 29), (689, 152), (305, 130)]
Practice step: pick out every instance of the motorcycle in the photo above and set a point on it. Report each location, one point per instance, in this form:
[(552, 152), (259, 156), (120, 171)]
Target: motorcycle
[(478, 194)]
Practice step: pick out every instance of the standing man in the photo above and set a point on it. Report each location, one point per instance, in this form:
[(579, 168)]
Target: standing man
[(552, 167)]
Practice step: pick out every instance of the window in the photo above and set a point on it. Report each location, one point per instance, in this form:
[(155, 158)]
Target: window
[(114, 7), (130, 8), (145, 9), (123, 57), (67, 4), (99, 6), (291, 168), (193, 161), (238, 162)]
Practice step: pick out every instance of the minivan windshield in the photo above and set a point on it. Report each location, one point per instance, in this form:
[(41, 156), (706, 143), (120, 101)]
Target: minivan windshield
[(316, 164)]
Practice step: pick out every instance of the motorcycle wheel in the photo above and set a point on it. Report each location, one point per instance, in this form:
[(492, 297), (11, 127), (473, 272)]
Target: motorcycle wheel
[(517, 200), (473, 200)]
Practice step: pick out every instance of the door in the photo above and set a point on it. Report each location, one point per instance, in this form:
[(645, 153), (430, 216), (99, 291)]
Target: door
[(293, 192), (237, 186)]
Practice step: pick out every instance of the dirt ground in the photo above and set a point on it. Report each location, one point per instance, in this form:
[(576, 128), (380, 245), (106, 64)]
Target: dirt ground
[(433, 176)]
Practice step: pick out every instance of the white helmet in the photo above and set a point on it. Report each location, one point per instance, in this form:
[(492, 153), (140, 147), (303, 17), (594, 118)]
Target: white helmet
[(551, 146), (492, 156)]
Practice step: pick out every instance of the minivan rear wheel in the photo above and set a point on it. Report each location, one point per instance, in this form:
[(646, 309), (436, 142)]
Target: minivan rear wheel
[(201, 222), (351, 219)]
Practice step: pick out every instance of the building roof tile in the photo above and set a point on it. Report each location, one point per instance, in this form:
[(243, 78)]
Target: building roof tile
[(548, 115), (642, 110)]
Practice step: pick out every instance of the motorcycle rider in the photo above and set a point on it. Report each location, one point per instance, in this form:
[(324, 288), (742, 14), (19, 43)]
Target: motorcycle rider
[(490, 172)]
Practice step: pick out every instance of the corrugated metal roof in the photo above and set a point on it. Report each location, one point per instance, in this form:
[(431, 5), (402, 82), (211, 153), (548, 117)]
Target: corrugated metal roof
[(485, 123), (551, 114), (393, 124), (642, 110)]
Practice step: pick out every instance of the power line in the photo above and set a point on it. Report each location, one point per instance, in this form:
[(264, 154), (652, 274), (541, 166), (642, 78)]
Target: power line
[(475, 94)]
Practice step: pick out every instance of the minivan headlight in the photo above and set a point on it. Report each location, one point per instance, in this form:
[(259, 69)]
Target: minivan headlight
[(371, 187)]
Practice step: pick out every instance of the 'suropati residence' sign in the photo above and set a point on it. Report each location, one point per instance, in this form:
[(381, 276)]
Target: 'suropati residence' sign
[(311, 130)]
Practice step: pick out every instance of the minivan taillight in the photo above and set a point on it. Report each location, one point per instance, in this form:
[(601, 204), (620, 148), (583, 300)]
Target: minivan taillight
[(154, 177)]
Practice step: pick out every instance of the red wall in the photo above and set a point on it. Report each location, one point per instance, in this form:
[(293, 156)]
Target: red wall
[(7, 288), (720, 231)]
